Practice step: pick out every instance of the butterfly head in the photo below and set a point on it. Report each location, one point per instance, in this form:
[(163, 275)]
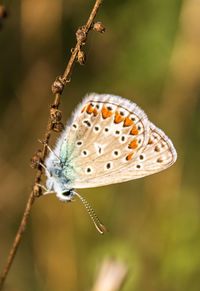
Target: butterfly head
[(66, 195), (58, 182)]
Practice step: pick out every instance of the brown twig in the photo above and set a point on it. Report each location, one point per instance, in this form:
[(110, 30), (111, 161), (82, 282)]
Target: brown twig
[(53, 124)]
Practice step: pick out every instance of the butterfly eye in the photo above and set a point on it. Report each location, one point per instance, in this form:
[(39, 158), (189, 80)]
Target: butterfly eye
[(66, 193)]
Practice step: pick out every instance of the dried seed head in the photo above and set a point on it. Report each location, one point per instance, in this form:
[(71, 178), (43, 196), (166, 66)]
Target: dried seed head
[(58, 127), (81, 34), (55, 115), (36, 159), (99, 27), (81, 57), (57, 86)]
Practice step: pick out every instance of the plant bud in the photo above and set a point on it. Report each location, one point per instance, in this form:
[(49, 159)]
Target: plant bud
[(56, 115), (81, 57), (35, 160), (57, 86), (99, 27), (81, 35), (58, 127)]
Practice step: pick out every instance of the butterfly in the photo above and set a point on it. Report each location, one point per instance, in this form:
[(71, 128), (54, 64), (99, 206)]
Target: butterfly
[(108, 140)]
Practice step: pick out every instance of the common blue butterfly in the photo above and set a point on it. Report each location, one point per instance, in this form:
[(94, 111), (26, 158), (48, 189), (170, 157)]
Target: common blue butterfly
[(108, 140)]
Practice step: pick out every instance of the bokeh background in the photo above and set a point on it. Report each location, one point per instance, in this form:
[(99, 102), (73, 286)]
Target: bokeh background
[(149, 54)]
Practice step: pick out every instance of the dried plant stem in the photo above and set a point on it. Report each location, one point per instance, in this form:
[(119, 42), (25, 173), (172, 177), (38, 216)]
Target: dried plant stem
[(57, 89)]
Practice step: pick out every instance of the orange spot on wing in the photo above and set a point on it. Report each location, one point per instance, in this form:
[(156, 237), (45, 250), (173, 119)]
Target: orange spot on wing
[(95, 112), (90, 109), (129, 157), (118, 117), (133, 144), (127, 122), (134, 130), (105, 112)]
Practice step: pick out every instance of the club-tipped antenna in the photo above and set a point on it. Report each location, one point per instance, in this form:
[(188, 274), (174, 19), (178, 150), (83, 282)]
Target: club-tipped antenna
[(99, 226)]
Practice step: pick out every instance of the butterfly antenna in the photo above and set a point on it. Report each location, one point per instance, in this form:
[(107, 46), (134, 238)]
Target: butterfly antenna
[(99, 226), (50, 150), (45, 168)]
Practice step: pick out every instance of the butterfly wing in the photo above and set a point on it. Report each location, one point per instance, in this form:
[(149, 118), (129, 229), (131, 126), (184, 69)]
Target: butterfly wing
[(158, 154), (110, 140)]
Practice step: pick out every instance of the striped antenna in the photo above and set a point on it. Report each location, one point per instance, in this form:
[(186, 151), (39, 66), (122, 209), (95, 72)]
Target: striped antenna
[(99, 226)]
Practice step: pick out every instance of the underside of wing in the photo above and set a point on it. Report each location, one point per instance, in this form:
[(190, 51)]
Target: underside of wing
[(110, 140), (158, 155)]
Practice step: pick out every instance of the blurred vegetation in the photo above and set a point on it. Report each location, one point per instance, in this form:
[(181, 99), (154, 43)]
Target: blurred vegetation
[(149, 54)]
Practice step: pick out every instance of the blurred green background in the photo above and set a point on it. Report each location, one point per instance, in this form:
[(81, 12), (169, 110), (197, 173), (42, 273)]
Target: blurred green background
[(149, 54)]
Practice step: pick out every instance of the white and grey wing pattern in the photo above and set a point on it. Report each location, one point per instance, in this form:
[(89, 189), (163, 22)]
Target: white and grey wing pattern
[(110, 140)]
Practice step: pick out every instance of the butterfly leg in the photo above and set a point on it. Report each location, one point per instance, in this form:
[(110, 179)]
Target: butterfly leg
[(45, 189)]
